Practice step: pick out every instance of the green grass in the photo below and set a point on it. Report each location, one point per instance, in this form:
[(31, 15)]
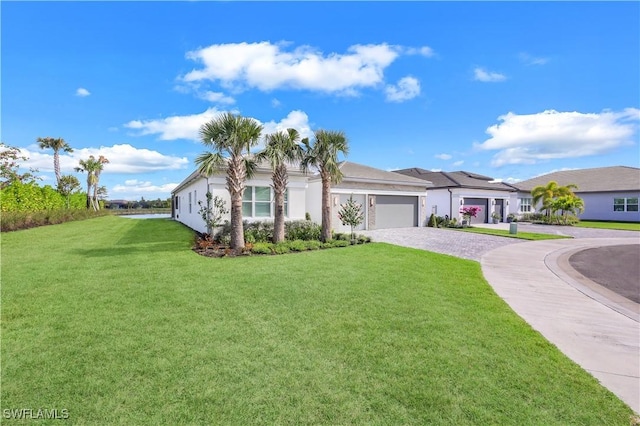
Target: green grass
[(625, 226), (531, 236), (119, 322)]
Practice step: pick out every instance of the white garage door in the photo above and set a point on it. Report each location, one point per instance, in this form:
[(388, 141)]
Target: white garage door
[(395, 211)]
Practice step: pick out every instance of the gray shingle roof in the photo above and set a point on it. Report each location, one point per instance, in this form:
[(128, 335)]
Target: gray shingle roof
[(600, 179), (458, 179), (357, 171)]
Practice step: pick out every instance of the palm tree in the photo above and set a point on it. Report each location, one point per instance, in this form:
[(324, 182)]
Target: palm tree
[(323, 155), (57, 145), (93, 166), (231, 137), (97, 191), (281, 148), (547, 193)]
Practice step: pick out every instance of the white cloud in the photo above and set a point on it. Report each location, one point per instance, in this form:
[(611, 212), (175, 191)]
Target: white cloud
[(188, 126), (82, 92), (443, 156), (295, 119), (529, 139), (275, 103), (528, 59), (122, 158), (407, 88), (480, 74), (458, 163), (175, 127), (137, 188), (268, 66), (217, 97), (424, 51), (436, 170)]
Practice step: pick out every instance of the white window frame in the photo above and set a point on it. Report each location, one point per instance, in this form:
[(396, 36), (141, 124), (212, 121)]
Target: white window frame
[(271, 202), (525, 202), (189, 202), (625, 205)]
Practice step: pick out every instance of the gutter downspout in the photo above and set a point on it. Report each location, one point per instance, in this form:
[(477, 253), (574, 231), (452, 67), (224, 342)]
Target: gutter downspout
[(450, 204)]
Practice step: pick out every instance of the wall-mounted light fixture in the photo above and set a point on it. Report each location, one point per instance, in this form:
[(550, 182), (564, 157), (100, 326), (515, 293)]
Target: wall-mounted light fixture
[(371, 201), (462, 201), (424, 202), (493, 202), (335, 201), (507, 203)]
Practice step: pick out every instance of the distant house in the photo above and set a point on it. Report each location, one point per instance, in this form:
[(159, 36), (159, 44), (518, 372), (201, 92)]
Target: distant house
[(451, 191), (116, 204), (609, 193), (388, 200)]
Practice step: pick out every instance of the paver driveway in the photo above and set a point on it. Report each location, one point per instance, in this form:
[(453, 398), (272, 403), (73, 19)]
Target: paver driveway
[(466, 245)]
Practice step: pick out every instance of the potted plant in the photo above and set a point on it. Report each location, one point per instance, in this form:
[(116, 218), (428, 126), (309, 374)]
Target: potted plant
[(511, 218), (496, 217)]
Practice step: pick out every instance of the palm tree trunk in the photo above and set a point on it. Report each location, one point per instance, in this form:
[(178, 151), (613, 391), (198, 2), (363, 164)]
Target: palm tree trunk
[(278, 220), (56, 166), (236, 175), (326, 209), (88, 195)]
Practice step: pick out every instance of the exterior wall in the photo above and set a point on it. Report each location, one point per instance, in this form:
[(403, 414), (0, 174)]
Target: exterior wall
[(217, 185), (190, 217), (599, 206), (314, 201)]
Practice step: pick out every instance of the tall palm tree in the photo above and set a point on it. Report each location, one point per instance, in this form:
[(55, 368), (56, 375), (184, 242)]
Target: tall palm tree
[(93, 167), (57, 145), (281, 148), (231, 137), (323, 155), (97, 191)]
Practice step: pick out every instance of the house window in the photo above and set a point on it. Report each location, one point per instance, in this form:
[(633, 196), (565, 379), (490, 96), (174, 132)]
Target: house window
[(525, 205), (189, 202), (625, 204), (258, 201)]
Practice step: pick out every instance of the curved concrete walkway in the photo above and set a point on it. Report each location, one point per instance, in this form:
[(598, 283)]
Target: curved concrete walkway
[(599, 331)]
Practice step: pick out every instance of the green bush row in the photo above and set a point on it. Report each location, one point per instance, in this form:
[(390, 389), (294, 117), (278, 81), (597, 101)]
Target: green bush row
[(14, 221), (29, 197), (295, 246), (262, 231)]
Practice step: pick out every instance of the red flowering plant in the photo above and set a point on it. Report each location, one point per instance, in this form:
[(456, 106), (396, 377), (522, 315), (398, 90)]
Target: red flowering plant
[(469, 212)]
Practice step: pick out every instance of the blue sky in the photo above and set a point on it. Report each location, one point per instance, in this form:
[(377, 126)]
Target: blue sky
[(507, 89)]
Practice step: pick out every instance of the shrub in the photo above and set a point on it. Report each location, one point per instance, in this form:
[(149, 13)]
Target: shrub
[(297, 245), (13, 221), (313, 244), (340, 236), (302, 230), (262, 248), (363, 239), (340, 243), (432, 223), (281, 248)]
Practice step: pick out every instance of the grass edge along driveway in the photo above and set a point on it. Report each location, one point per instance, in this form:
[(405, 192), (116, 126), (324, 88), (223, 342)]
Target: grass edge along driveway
[(117, 321)]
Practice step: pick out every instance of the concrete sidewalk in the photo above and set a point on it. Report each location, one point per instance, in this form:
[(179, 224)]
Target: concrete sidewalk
[(595, 331)]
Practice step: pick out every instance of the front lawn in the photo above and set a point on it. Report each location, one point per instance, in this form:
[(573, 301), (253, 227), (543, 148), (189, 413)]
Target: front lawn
[(625, 226), (531, 236), (118, 321)]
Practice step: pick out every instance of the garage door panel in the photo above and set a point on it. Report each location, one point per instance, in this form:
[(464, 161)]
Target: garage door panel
[(395, 211)]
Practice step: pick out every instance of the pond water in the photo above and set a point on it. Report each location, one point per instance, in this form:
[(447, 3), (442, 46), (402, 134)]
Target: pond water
[(147, 216)]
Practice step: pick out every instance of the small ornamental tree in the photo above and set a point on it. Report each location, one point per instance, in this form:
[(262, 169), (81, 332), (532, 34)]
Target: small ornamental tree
[(212, 212), (469, 212), (351, 214)]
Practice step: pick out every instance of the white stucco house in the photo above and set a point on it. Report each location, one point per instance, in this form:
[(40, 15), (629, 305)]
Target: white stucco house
[(451, 191), (609, 193), (389, 200)]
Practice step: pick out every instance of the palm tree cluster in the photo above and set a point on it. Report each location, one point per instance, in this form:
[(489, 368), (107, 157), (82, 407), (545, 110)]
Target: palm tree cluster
[(231, 138), (67, 184), (556, 198), (93, 167)]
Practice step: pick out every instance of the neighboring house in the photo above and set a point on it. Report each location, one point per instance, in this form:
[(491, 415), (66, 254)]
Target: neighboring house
[(388, 200), (116, 204), (451, 191), (609, 193)]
